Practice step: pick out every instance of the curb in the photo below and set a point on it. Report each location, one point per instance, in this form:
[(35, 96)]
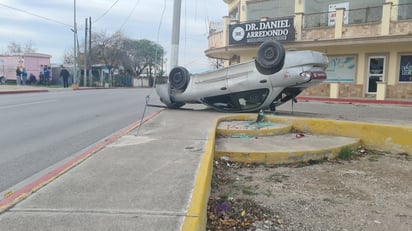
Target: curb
[(196, 216), (42, 181), (390, 138), (22, 91)]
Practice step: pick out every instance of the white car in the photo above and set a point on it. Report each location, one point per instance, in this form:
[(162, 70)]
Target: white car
[(271, 79)]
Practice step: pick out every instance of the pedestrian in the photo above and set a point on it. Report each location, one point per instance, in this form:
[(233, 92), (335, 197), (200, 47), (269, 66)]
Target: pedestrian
[(24, 76), (18, 75), (64, 73), (32, 79), (41, 77), (46, 73)]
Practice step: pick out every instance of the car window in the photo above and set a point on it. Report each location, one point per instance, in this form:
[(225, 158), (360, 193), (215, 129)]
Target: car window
[(245, 100)]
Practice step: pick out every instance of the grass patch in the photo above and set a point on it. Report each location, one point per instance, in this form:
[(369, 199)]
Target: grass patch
[(374, 158), (346, 153)]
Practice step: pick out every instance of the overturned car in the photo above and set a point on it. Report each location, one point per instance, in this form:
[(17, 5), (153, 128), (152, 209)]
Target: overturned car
[(271, 79)]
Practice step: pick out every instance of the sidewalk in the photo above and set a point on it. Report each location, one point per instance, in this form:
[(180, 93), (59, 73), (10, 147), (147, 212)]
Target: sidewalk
[(357, 100), (142, 182), (14, 89)]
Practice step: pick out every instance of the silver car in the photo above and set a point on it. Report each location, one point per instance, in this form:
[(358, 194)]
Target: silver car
[(271, 79)]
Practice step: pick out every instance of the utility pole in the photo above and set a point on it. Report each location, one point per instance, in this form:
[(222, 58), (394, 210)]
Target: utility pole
[(75, 46), (174, 56), (85, 55), (90, 51)]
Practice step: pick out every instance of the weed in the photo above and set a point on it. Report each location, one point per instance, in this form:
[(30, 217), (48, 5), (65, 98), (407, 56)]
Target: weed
[(346, 153), (373, 158), (268, 193), (249, 190), (215, 181), (228, 195)]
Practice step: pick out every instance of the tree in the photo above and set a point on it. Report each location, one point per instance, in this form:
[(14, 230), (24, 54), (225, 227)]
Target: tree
[(134, 56), (68, 57), (15, 47), (143, 54), (108, 50)]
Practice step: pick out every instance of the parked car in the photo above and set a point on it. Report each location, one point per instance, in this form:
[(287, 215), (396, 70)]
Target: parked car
[(271, 79)]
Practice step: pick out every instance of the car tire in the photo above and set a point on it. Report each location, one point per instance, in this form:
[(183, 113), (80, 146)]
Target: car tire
[(179, 78), (270, 57)]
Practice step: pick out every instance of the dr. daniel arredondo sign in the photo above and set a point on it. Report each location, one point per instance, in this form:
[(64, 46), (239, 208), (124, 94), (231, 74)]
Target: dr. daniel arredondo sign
[(257, 32)]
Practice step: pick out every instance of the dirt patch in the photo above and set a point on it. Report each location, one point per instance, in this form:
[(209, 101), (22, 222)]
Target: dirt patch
[(372, 191)]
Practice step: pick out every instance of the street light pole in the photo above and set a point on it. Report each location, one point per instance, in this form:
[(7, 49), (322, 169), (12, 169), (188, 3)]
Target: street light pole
[(175, 33), (75, 46)]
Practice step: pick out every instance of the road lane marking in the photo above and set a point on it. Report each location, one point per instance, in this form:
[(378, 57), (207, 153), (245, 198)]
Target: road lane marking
[(27, 104)]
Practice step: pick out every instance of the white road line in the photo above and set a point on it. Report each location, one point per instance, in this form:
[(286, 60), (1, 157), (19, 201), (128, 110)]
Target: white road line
[(26, 104)]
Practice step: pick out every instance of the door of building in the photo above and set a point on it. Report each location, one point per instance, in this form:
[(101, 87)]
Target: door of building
[(376, 72)]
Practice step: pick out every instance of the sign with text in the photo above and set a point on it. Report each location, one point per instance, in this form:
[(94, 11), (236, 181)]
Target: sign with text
[(332, 13), (257, 32)]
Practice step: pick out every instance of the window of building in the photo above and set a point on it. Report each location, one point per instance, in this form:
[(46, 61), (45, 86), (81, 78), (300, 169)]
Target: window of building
[(405, 72), (270, 9), (319, 6), (341, 69), (322, 12), (404, 9)]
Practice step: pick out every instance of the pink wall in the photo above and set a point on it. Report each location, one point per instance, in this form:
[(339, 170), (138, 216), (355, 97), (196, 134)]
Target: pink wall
[(31, 62)]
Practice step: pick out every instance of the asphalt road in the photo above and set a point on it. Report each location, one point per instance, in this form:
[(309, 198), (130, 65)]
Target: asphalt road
[(39, 130)]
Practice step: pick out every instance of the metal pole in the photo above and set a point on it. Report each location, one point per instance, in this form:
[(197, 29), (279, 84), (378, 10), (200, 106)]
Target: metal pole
[(174, 56), (75, 45), (85, 56)]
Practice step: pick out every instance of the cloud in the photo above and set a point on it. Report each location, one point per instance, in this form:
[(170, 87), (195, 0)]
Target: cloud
[(138, 19)]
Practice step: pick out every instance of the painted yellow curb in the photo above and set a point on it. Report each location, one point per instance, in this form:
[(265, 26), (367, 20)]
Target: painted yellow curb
[(196, 217), (283, 157), (269, 131), (390, 138)]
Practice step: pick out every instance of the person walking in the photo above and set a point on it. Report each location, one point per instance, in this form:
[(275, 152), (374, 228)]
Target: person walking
[(64, 73), (18, 75), (46, 73), (24, 76)]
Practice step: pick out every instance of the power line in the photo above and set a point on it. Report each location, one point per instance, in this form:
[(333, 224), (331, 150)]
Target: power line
[(130, 14), (36, 15), (107, 11)]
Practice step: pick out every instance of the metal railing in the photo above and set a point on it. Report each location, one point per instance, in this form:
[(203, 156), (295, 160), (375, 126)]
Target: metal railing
[(355, 16), (365, 15), (315, 20)]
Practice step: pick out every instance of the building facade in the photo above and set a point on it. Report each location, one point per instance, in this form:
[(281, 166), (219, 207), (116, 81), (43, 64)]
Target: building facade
[(368, 43), (32, 62)]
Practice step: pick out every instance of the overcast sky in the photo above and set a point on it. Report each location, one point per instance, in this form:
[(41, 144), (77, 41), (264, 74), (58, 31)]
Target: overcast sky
[(47, 24)]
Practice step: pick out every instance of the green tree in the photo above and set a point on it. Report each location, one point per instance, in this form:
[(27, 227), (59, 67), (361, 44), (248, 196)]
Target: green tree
[(143, 55), (134, 56)]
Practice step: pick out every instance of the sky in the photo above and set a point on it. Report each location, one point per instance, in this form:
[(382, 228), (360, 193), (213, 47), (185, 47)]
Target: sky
[(48, 24)]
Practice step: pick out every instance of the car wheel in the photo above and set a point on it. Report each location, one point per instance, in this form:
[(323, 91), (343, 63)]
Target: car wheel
[(270, 57), (179, 78), (2, 80)]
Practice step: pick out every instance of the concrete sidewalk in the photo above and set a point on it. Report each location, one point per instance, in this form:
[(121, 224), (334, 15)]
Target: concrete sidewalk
[(19, 89), (142, 182)]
